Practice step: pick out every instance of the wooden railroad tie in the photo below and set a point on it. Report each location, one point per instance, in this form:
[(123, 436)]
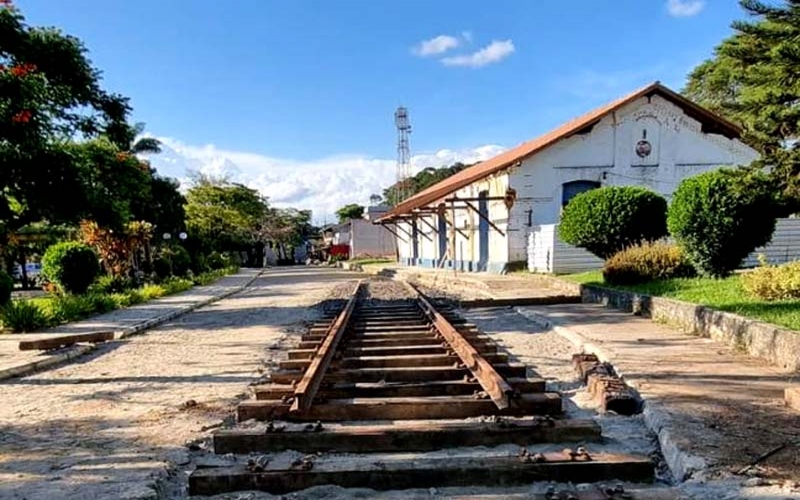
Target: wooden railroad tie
[(602, 382), (58, 341)]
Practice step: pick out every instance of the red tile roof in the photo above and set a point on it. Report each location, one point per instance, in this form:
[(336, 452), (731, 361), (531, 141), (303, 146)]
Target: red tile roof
[(710, 121)]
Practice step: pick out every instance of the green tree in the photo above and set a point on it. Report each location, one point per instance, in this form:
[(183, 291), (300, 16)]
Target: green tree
[(50, 95), (224, 216), (285, 229), (423, 179), (754, 80), (351, 211)]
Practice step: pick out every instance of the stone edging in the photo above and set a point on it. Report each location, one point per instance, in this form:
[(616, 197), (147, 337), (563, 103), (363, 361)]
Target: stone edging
[(80, 350), (682, 464), (777, 345)]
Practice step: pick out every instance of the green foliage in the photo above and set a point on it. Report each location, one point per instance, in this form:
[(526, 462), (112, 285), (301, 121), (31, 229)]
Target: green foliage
[(720, 217), (646, 262), (423, 179), (754, 80), (6, 287), (222, 215), (606, 220), (176, 285), (351, 211), (72, 266), (770, 282), (162, 268), (66, 308), (179, 259), (23, 316), (111, 284)]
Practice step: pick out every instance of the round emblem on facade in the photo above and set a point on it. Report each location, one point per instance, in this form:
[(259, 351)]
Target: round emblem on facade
[(643, 149)]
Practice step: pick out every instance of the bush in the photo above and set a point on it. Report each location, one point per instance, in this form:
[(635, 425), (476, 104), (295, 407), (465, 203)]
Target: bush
[(162, 268), (649, 261), (720, 217), (176, 285), (181, 261), (72, 266), (216, 261), (773, 282), (604, 221), (6, 287), (23, 316), (69, 308), (112, 284)]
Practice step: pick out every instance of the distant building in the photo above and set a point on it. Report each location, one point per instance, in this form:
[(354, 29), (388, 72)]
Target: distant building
[(503, 213), (362, 238)]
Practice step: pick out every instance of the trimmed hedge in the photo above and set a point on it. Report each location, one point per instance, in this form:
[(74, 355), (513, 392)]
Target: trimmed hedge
[(720, 217), (773, 282), (71, 265), (648, 261), (607, 220)]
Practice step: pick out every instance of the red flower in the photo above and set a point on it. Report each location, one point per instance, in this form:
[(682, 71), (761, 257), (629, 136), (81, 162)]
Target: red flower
[(23, 69), (23, 116)]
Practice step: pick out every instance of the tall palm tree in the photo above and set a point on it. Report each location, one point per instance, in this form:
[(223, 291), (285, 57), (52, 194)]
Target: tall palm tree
[(144, 145)]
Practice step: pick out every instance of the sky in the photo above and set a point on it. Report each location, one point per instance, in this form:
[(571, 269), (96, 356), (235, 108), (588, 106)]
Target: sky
[(296, 97)]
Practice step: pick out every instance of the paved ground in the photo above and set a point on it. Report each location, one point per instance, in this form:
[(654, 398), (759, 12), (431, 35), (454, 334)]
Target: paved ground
[(720, 407), (12, 358), (110, 425)]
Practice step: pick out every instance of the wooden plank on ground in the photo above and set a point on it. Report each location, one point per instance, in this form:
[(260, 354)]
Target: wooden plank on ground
[(412, 436), (411, 360), (57, 341), (396, 374), (338, 410), (396, 390), (312, 378), (409, 473), (491, 381)]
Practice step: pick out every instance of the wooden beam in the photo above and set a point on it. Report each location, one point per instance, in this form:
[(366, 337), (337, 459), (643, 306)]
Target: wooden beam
[(484, 217), (396, 390), (309, 384), (396, 374), (491, 381), (435, 229), (408, 437), (444, 407), (394, 233), (400, 473), (56, 341)]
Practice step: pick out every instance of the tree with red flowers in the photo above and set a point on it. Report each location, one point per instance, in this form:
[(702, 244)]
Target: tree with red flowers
[(50, 97)]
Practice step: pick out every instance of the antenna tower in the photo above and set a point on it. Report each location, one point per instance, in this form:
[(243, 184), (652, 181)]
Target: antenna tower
[(402, 188)]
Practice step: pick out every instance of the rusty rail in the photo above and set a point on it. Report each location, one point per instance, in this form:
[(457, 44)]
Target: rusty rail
[(492, 383), (312, 378)]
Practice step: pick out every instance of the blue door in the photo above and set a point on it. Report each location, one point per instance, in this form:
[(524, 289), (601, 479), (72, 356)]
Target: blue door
[(483, 231), (442, 230), (414, 242), (572, 189)]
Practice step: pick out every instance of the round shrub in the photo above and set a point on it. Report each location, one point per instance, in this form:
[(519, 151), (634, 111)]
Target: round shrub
[(71, 265), (162, 268), (609, 219), (6, 287), (648, 261), (720, 217)]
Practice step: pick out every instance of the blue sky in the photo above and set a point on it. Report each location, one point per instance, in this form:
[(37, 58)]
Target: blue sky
[(267, 89)]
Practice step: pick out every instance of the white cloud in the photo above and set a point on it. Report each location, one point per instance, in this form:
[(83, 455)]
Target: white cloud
[(685, 8), (322, 185), (437, 45), (492, 53)]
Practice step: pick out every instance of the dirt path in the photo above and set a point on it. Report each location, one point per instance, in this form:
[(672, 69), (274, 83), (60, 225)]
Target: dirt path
[(111, 425)]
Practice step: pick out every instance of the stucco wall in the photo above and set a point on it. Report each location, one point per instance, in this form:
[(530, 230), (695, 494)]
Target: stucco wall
[(607, 154), (367, 239)]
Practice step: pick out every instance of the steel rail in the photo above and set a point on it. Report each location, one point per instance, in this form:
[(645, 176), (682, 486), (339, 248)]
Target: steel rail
[(492, 383), (312, 378)]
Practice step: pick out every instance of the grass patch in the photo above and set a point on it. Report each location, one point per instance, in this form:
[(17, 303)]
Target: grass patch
[(366, 261), (722, 294), (30, 314)]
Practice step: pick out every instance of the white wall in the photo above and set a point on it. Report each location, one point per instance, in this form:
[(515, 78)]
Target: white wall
[(547, 253), (607, 155), (368, 239)]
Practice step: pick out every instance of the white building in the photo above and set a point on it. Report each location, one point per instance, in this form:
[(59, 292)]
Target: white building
[(652, 137), (363, 239)]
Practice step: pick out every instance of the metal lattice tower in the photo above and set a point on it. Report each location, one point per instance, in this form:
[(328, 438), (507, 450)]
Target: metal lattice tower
[(402, 189)]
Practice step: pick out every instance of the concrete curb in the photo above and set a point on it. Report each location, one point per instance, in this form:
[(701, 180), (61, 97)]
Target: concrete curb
[(80, 350), (682, 464)]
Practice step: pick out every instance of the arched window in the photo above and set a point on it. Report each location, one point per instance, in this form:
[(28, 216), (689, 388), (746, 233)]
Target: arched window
[(572, 189)]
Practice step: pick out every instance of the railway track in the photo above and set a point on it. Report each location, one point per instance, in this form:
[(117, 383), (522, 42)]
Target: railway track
[(383, 379)]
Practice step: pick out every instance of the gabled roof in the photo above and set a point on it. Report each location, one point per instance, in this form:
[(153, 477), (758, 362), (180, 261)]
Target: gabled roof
[(711, 123)]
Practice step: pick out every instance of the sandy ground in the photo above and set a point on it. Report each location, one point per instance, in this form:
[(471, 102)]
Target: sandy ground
[(112, 425)]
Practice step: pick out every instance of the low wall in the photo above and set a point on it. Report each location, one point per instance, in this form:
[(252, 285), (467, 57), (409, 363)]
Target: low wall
[(777, 345)]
